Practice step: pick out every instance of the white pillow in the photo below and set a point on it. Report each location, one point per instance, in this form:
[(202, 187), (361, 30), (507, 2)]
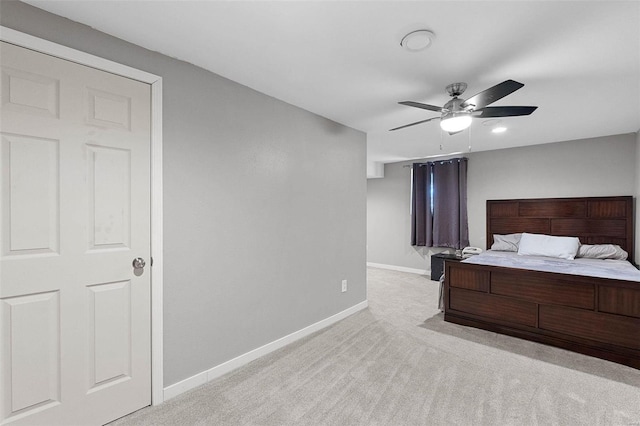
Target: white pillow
[(602, 251), (547, 245), (507, 242)]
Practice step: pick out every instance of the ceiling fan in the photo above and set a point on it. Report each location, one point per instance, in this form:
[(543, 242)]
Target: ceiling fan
[(456, 114)]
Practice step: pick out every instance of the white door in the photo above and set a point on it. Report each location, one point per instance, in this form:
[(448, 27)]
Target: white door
[(74, 214)]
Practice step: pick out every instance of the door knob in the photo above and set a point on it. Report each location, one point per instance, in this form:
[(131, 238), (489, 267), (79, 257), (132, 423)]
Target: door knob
[(138, 263)]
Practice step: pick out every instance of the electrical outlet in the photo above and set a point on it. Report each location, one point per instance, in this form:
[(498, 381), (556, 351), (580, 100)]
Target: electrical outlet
[(344, 285)]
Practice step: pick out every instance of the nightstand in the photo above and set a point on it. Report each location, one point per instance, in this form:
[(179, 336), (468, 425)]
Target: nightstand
[(437, 264)]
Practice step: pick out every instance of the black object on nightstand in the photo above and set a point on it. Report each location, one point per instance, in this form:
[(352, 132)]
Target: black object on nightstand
[(437, 264)]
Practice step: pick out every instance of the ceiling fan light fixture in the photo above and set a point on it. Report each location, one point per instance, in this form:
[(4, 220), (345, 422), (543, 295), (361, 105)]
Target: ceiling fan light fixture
[(417, 40), (455, 122)]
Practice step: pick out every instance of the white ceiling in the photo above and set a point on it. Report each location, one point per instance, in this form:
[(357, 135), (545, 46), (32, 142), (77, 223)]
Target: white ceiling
[(579, 61)]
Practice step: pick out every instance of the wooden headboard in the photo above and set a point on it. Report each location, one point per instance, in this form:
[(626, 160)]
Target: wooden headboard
[(595, 220)]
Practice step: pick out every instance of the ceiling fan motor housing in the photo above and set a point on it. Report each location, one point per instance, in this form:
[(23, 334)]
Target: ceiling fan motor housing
[(456, 89), (453, 106)]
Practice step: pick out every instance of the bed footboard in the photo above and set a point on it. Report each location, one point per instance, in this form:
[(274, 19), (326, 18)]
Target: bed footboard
[(594, 316)]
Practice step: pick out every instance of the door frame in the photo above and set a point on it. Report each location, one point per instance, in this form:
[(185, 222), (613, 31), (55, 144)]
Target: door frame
[(53, 49)]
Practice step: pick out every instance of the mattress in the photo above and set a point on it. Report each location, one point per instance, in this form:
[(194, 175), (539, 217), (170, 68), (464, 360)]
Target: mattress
[(613, 269)]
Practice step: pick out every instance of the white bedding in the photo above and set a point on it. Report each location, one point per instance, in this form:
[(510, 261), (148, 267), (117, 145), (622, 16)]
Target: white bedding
[(615, 269)]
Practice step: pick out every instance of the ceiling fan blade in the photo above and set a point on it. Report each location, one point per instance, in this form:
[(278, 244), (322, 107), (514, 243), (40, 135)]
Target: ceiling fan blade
[(505, 111), (492, 94), (421, 105), (413, 124)]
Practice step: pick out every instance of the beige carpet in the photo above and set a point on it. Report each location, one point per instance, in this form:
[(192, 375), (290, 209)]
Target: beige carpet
[(398, 363)]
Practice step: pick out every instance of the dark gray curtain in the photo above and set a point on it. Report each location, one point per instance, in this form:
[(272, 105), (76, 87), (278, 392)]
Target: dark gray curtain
[(421, 217), (443, 224)]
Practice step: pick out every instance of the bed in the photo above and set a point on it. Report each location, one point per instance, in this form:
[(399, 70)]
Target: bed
[(593, 315)]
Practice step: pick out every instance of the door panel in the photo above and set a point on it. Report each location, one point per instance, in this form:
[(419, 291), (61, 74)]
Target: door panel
[(109, 197), (109, 333), (74, 213), (109, 109), (30, 190), (33, 353), (30, 93)]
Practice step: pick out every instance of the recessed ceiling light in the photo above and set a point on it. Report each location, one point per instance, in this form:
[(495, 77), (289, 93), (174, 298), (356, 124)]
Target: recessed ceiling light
[(491, 122), (499, 129), (417, 40)]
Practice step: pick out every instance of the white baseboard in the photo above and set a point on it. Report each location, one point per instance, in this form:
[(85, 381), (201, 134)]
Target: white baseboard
[(219, 370), (399, 268)]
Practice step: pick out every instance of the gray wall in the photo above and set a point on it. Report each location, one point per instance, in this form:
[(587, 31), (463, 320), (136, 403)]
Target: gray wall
[(589, 167), (264, 205)]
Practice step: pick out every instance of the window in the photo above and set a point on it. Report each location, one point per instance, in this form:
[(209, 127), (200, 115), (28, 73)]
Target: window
[(439, 204)]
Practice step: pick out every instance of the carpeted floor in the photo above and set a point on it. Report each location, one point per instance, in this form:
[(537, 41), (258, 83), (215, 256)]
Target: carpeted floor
[(399, 363)]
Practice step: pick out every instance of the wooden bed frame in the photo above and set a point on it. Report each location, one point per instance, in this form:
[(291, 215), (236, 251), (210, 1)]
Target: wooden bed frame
[(594, 316)]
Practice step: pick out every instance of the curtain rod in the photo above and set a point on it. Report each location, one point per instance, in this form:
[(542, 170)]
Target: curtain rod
[(451, 160)]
